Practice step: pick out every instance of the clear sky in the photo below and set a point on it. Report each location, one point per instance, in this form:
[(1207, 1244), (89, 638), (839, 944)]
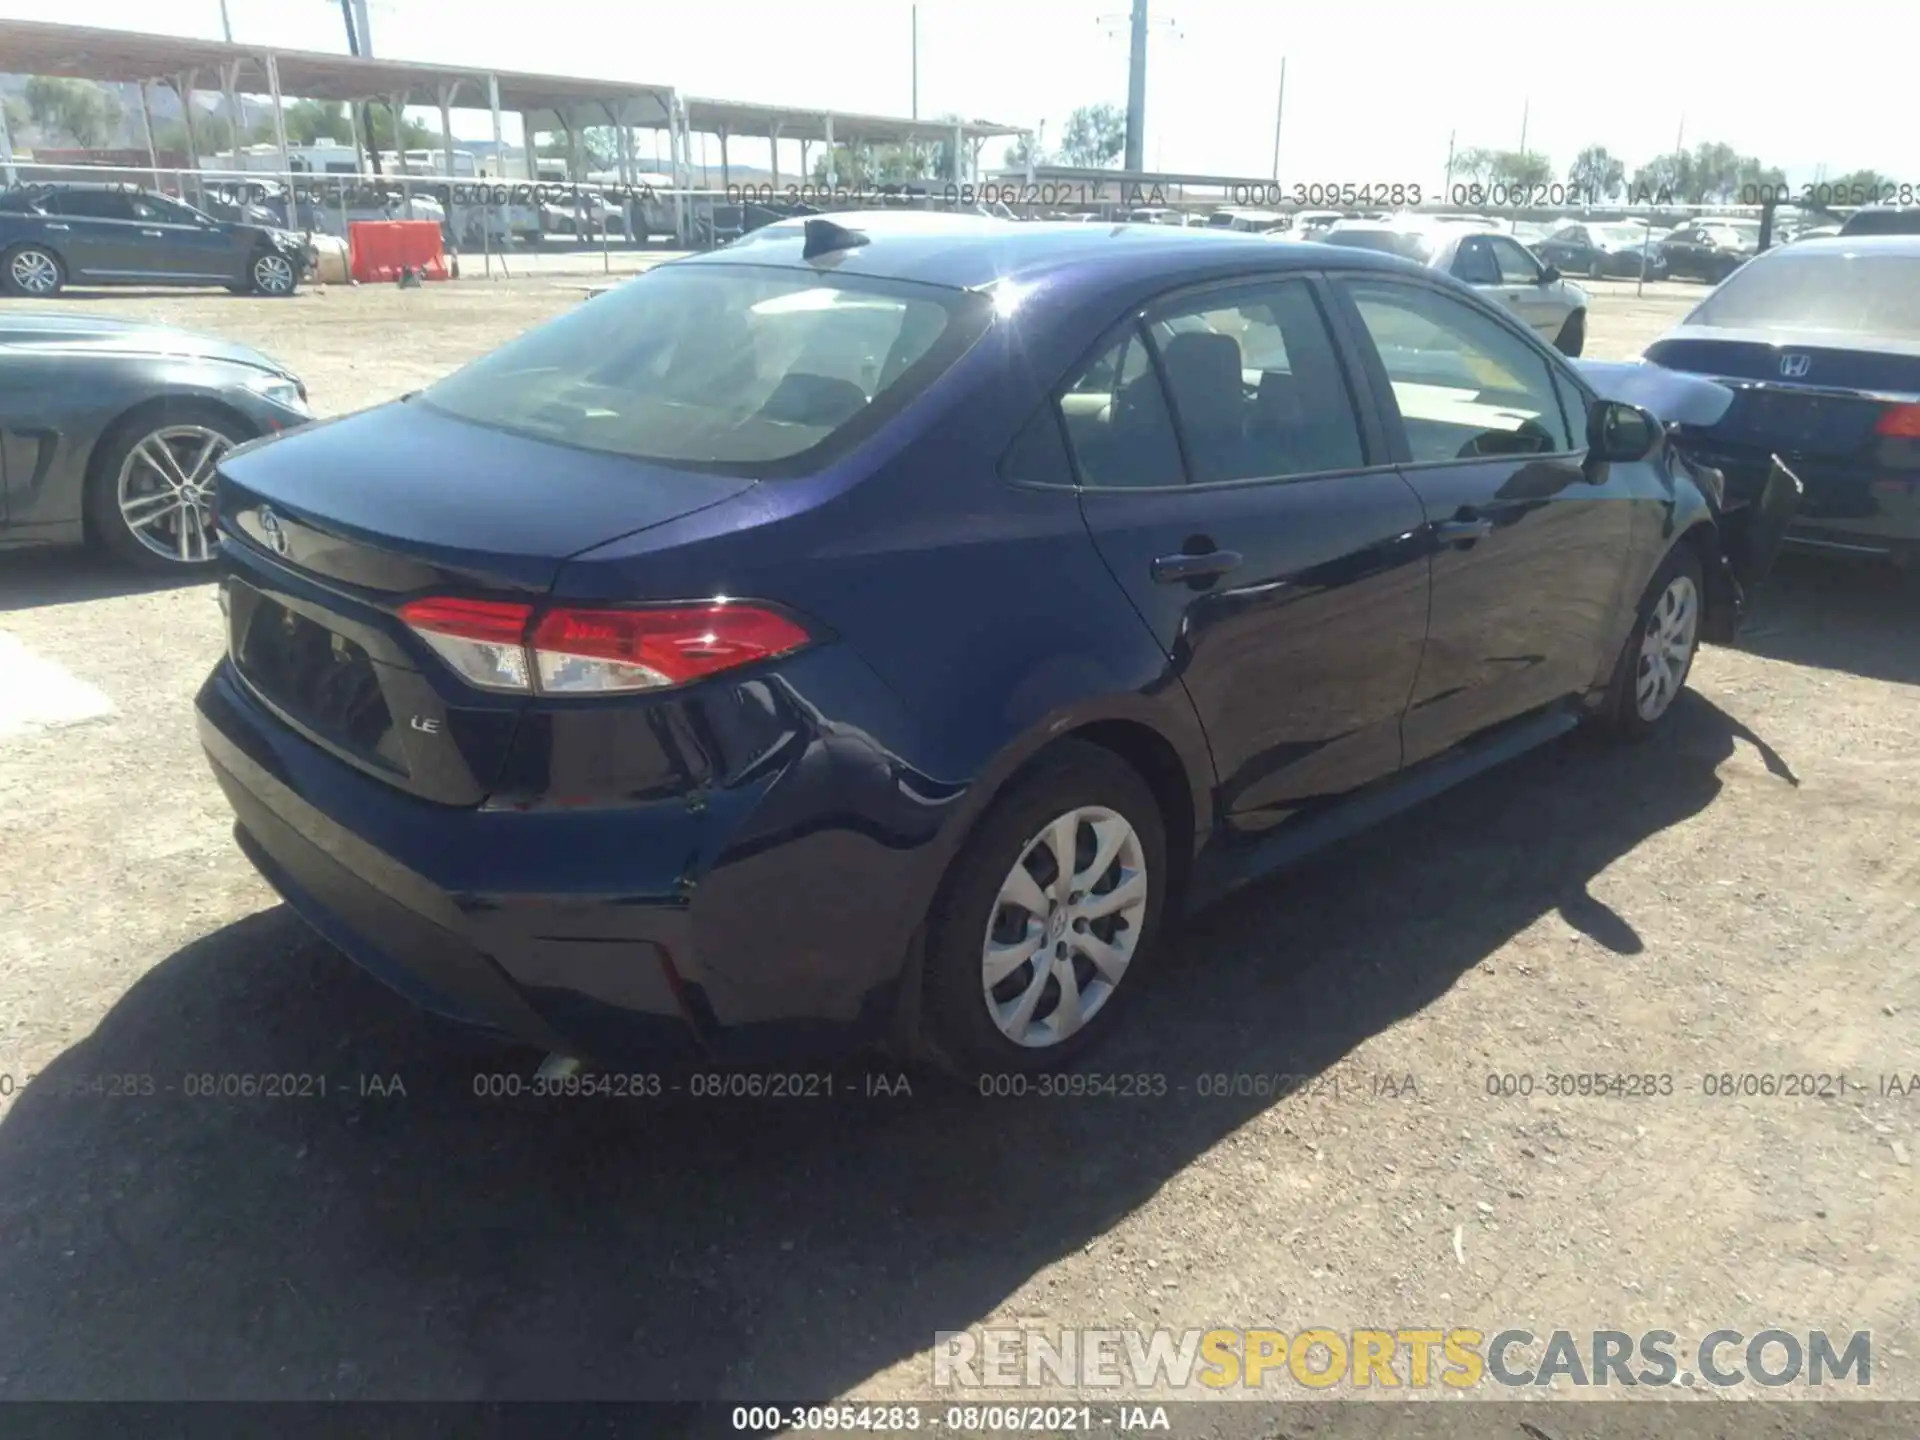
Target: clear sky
[(1374, 90)]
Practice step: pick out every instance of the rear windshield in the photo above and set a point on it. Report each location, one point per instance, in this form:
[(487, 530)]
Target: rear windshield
[(1882, 222), (1795, 289), (735, 368)]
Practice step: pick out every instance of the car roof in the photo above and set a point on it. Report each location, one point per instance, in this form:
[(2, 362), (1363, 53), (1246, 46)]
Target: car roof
[(971, 253), (1858, 245)]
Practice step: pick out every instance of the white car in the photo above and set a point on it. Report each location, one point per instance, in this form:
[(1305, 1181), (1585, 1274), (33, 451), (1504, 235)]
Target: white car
[(1498, 266)]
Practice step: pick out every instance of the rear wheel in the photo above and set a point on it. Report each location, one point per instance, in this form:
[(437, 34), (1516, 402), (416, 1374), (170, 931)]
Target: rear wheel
[(1572, 338), (1597, 269), (1658, 656), (34, 270), (149, 494), (1049, 919)]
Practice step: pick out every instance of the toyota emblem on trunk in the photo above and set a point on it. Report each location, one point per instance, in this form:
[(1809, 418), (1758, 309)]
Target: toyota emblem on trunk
[(1795, 367), (270, 527)]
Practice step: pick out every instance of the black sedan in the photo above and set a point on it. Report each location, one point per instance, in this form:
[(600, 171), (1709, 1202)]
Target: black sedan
[(110, 431), (1821, 342), (54, 235), (1602, 250), (634, 695), (1709, 250)]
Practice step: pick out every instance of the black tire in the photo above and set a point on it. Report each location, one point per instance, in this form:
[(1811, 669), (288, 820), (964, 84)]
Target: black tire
[(1572, 338), (106, 526), (272, 273), (37, 258), (957, 1032), (1620, 715)]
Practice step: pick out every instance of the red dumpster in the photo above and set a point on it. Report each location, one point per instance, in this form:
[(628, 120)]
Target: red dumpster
[(380, 249)]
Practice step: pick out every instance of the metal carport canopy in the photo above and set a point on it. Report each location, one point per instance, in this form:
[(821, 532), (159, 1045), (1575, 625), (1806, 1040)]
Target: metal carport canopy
[(735, 117), (81, 52)]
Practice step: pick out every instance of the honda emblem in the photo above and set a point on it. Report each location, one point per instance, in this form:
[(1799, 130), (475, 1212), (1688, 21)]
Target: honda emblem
[(1795, 367)]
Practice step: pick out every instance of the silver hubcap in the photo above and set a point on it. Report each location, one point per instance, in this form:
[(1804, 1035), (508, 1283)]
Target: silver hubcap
[(273, 272), (35, 272), (1666, 648), (166, 491), (1065, 926)]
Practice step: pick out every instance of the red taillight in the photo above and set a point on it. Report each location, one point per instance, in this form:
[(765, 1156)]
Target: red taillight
[(578, 651), (1899, 422), (501, 646)]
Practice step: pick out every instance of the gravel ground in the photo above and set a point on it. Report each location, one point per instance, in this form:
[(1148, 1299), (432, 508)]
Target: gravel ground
[(1741, 896)]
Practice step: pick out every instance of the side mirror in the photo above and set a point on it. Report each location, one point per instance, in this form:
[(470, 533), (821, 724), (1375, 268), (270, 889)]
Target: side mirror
[(1623, 433), (1548, 274)]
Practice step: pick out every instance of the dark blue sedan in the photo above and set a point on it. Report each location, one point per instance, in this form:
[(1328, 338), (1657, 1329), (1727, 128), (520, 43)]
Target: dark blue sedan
[(880, 630)]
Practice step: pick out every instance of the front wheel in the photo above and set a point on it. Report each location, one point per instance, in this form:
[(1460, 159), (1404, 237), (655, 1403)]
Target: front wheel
[(1049, 918), (1572, 338), (1658, 655), (272, 273)]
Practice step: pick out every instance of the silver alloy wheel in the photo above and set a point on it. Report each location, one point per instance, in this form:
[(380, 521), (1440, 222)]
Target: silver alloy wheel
[(1065, 926), (1666, 648), (166, 491), (273, 274), (35, 272)]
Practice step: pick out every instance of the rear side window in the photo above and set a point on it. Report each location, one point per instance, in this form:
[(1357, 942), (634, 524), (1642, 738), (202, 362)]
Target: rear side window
[(90, 204), (734, 368), (1466, 387), (1473, 262), (1117, 420), (1258, 392)]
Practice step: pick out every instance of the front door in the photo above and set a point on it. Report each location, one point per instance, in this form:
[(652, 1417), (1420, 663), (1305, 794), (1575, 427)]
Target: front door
[(1259, 529), (1524, 284), (179, 244), (1529, 552)]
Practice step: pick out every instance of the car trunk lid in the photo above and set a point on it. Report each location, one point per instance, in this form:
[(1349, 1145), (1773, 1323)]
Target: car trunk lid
[(328, 532)]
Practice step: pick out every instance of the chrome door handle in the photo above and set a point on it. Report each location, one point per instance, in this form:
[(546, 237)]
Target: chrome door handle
[(1465, 531), (1172, 569), (156, 234), (55, 225)]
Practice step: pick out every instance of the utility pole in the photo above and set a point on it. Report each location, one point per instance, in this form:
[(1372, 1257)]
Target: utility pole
[(1525, 106), (916, 62), (1137, 90), (1449, 183), (365, 127), (1279, 113)]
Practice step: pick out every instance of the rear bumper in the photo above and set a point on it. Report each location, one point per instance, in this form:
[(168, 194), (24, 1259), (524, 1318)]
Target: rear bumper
[(1846, 510), (659, 930)]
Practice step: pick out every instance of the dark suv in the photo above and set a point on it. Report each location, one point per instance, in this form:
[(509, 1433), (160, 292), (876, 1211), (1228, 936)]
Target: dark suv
[(51, 235)]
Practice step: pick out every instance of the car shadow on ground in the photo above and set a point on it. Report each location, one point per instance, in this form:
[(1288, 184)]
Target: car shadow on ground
[(30, 579), (1860, 617), (433, 1244)]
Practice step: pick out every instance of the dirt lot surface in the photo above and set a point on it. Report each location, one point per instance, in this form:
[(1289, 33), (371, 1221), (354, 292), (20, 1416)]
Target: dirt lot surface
[(1741, 897)]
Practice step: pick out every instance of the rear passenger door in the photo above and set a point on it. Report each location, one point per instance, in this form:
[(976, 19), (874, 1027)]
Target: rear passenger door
[(94, 229), (1252, 516), (1530, 545)]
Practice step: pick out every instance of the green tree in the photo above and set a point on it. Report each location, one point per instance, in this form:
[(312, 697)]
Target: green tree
[(77, 109), (1665, 178), (1096, 136), (1526, 169), (311, 121), (1596, 172)]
